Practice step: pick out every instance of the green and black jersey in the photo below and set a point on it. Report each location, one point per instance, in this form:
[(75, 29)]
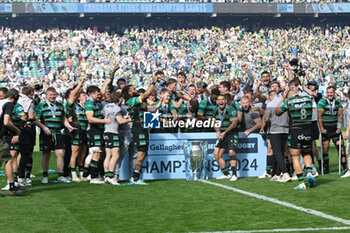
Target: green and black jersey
[(206, 108), (95, 107), (51, 115), (174, 97), (165, 110), (77, 112), (18, 112), (136, 109), (238, 107), (225, 116), (330, 110), (299, 109), (182, 112)]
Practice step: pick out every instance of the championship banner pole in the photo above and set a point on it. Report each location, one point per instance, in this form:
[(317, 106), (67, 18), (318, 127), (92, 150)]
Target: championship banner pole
[(339, 154), (318, 125)]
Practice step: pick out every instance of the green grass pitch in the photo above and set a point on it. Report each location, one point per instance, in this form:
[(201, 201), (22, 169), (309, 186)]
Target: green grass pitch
[(171, 205)]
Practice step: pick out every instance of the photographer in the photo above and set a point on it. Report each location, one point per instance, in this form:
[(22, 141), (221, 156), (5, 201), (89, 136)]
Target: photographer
[(9, 134), (27, 138)]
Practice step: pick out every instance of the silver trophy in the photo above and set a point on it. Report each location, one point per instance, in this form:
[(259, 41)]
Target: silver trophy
[(195, 159)]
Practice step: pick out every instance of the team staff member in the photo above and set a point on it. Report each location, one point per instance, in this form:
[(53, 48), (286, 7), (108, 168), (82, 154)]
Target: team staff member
[(346, 137), (28, 138), (251, 121), (18, 117), (51, 119), (94, 131), (136, 104), (111, 139), (75, 112), (330, 116), (278, 134), (9, 130), (300, 132), (227, 138)]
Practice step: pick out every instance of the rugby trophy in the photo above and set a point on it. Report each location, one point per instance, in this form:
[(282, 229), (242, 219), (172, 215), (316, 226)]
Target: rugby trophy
[(196, 153)]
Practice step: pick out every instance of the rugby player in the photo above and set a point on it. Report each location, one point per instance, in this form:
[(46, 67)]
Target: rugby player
[(227, 138), (299, 109)]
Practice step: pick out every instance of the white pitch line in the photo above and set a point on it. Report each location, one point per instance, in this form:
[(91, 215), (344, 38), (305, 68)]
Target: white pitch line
[(286, 204), (286, 230)]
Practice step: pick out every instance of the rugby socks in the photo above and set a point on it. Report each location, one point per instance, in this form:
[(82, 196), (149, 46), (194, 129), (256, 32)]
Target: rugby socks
[(60, 174), (343, 163), (45, 174), (73, 172), (136, 175), (15, 176), (319, 164), (269, 164), (225, 171), (300, 177), (109, 174), (12, 186), (94, 169), (234, 171), (308, 169), (85, 172), (325, 163), (81, 171)]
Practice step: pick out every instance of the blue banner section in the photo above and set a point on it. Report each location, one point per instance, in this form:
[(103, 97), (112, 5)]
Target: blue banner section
[(118, 7), (328, 8), (285, 8), (146, 8), (5, 7), (166, 158)]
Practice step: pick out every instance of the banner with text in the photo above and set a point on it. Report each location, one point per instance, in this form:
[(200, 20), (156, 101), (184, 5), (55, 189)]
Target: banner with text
[(166, 158)]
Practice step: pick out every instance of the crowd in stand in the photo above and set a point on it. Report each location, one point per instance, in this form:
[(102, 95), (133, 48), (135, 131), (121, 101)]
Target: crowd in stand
[(59, 57)]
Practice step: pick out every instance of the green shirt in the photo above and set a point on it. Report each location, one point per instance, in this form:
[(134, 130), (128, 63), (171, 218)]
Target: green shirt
[(238, 107), (52, 120), (330, 110), (225, 116), (17, 112), (299, 109), (77, 112), (206, 108), (136, 109), (92, 106)]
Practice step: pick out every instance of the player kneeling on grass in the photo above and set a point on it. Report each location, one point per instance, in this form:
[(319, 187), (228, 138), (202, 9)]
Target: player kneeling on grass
[(226, 137), (300, 133), (111, 135)]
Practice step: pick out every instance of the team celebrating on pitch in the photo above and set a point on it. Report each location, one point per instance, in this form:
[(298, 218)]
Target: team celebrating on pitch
[(94, 129)]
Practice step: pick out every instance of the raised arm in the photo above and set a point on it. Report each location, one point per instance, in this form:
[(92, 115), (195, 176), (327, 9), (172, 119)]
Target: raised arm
[(149, 91), (75, 91)]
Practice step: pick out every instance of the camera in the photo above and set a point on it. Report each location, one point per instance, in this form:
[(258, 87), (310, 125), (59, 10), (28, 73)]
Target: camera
[(161, 82), (297, 68)]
